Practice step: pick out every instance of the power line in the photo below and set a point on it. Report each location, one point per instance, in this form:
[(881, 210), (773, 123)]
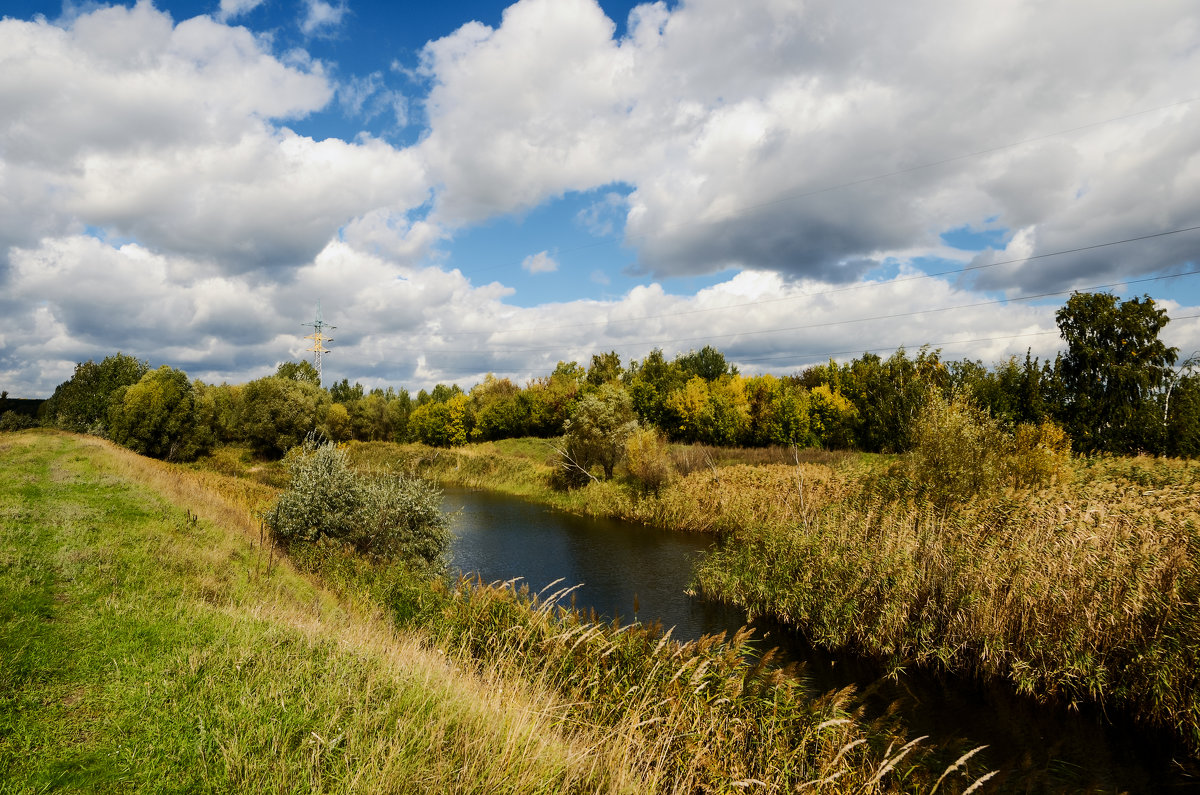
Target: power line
[(826, 324), (873, 349), (835, 290), (750, 208)]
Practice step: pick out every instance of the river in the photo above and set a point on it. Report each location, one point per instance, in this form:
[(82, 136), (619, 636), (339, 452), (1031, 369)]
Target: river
[(638, 573)]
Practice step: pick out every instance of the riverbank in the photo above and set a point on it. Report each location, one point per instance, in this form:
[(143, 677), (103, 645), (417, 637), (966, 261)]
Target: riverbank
[(1081, 591), (715, 490), (150, 641)]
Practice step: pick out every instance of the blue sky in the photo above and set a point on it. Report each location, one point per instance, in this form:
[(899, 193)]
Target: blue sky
[(479, 187)]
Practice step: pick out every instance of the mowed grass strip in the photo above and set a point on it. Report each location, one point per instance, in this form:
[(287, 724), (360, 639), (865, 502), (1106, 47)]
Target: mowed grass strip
[(144, 647)]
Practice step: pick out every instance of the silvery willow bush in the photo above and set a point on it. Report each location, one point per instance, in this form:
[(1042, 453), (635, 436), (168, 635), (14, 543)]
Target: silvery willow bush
[(391, 517)]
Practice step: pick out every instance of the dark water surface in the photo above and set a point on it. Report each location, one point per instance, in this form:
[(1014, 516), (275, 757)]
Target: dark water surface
[(618, 565)]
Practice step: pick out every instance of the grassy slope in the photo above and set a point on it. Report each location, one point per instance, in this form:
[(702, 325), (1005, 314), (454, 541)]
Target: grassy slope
[(143, 649)]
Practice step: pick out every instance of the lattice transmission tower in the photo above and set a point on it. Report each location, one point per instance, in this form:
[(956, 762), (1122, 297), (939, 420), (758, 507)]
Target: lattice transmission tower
[(319, 327)]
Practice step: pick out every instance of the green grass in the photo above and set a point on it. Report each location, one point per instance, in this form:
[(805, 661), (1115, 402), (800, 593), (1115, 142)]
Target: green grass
[(143, 649)]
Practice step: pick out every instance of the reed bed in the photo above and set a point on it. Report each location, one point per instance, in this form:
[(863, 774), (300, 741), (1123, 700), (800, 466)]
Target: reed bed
[(1082, 592)]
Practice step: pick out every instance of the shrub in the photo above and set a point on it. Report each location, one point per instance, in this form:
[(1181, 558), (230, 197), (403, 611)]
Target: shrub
[(13, 421), (958, 452), (649, 459), (390, 517), (1040, 454)]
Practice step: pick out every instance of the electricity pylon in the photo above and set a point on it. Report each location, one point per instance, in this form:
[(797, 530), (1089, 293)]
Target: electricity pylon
[(318, 337)]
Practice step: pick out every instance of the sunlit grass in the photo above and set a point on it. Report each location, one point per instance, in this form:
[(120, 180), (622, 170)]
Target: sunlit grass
[(145, 649)]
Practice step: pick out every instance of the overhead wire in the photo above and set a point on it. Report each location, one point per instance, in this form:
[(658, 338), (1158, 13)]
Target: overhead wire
[(609, 323), (833, 290), (750, 208), (828, 323)]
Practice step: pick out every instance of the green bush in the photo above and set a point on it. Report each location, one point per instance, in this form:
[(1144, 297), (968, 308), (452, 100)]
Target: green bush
[(648, 458), (958, 452), (391, 517), (12, 421)]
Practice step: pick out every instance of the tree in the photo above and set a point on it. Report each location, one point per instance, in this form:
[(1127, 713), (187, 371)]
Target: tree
[(276, 414), (442, 424), (344, 393), (1112, 371), (606, 368), (778, 412), (650, 382), (684, 410), (157, 417), (298, 371), (549, 402), (1182, 410), (499, 412), (708, 363), (81, 403), (832, 418), (596, 432)]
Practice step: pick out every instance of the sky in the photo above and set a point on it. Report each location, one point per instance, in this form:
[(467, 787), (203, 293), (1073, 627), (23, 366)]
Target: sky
[(469, 188)]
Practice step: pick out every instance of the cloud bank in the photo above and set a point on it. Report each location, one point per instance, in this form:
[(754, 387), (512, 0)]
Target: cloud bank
[(155, 198)]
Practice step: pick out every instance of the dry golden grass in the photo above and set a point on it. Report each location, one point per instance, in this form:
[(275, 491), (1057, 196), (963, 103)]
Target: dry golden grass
[(1084, 591)]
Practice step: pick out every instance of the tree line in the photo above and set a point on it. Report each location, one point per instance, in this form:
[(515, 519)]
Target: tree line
[(1115, 389)]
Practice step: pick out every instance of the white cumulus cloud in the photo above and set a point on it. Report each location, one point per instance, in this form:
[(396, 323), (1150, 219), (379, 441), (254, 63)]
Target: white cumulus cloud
[(540, 262)]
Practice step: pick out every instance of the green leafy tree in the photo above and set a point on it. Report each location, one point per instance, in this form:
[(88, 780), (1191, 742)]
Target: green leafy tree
[(549, 402), (606, 369), (498, 410), (338, 426), (778, 412), (726, 418), (81, 403), (276, 414), (889, 393), (442, 424), (650, 382), (1182, 410), (597, 431), (344, 393), (157, 417), (298, 371), (216, 410), (684, 410), (1112, 371), (832, 418), (708, 363)]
